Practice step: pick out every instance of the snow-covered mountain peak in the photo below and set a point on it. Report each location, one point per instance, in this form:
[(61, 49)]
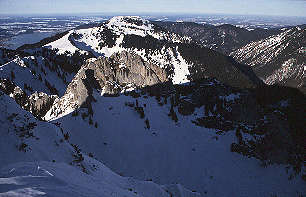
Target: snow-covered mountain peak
[(137, 26), (114, 36), (178, 56), (130, 25)]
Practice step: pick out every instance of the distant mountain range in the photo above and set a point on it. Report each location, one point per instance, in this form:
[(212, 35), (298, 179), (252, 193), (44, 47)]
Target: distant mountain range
[(223, 38), (275, 55), (279, 59)]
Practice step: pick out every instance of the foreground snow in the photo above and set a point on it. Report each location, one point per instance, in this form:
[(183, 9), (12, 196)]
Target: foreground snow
[(46, 166), (60, 179), (169, 152)]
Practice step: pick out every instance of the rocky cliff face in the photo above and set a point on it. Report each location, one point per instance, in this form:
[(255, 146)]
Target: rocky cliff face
[(109, 76), (129, 68), (37, 103)]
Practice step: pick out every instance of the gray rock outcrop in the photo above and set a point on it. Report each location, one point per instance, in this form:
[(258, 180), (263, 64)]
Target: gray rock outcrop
[(108, 75)]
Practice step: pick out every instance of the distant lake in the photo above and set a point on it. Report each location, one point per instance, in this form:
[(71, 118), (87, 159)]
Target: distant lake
[(22, 39)]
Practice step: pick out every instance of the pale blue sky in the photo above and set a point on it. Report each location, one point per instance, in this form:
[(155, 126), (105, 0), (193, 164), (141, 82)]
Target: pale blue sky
[(256, 7)]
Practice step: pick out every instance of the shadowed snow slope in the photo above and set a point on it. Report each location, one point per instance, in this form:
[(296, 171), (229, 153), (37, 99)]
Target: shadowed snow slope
[(37, 159), (168, 152)]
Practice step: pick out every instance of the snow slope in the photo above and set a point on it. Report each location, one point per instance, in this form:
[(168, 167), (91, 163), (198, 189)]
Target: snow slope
[(52, 179), (181, 70), (63, 44), (46, 165), (33, 72), (25, 139), (169, 152)]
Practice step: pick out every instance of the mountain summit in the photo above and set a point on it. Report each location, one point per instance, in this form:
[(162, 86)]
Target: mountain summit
[(182, 59)]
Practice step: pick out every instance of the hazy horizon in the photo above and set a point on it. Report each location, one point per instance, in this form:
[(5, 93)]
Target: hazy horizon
[(107, 14), (289, 8)]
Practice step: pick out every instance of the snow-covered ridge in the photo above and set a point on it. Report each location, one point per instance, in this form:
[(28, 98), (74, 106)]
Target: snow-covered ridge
[(130, 25), (279, 59), (153, 43), (111, 37), (135, 25), (92, 39), (33, 72), (266, 50), (63, 44), (289, 69)]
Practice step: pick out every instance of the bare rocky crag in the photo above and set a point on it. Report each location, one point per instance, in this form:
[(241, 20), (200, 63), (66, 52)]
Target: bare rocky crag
[(109, 75), (37, 103)]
